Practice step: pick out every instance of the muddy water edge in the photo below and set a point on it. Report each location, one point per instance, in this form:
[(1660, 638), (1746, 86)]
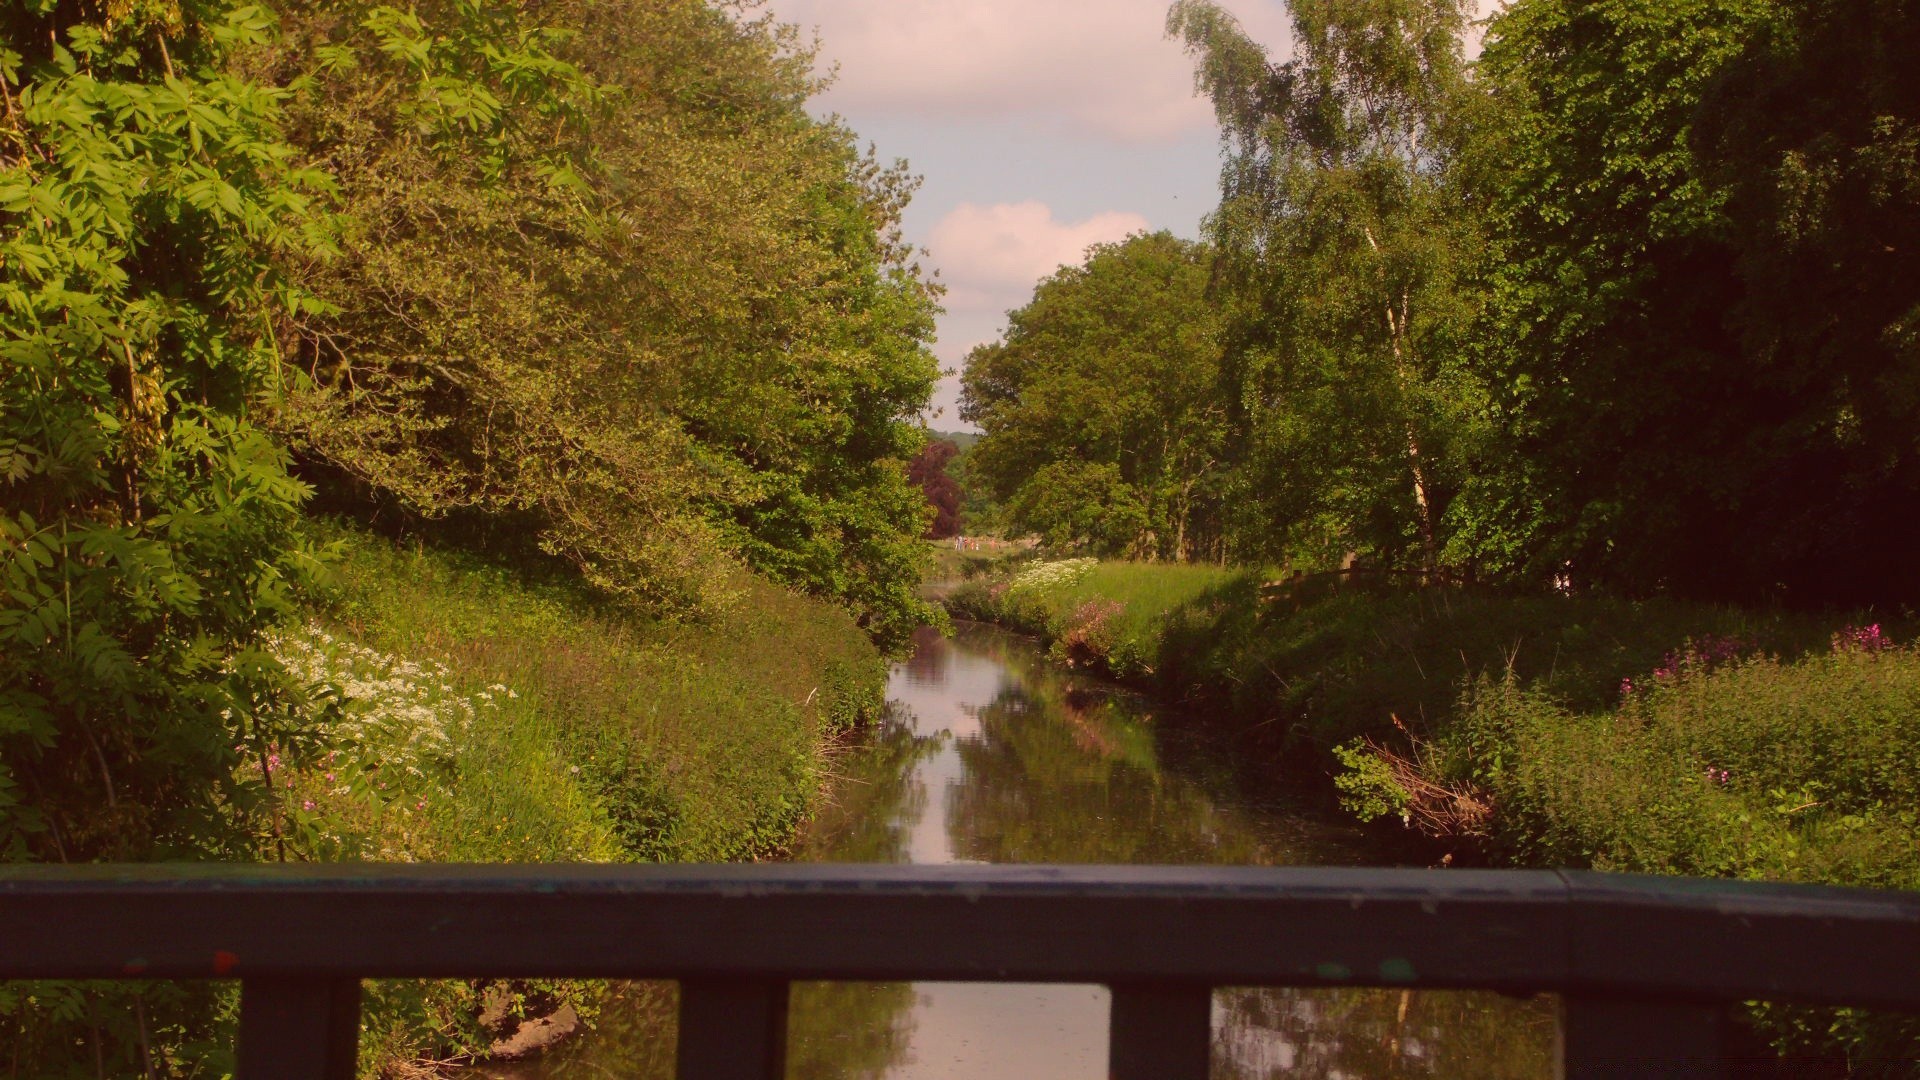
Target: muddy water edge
[(990, 753)]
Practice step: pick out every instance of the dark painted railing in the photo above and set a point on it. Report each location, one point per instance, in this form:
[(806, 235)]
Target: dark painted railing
[(1645, 966)]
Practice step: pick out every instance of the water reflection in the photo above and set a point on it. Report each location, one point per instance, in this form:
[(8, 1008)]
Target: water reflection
[(990, 754)]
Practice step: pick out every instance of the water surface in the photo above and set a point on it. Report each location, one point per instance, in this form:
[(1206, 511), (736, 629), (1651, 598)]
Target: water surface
[(990, 753)]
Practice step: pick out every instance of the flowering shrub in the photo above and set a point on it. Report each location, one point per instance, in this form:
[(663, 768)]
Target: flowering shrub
[(394, 727), (1088, 636)]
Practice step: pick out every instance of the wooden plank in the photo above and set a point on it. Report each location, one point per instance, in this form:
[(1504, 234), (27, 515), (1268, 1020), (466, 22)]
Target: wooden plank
[(1232, 925), (299, 1029), (1702, 939), (1516, 931), (1610, 1038), (732, 1029), (1160, 1032)]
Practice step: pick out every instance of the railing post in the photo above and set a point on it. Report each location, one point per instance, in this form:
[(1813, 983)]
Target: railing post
[(1160, 1032), (1613, 1038), (299, 1029), (733, 1029)]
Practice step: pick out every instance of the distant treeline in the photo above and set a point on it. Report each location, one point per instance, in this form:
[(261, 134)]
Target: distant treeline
[(582, 279), (1629, 301)]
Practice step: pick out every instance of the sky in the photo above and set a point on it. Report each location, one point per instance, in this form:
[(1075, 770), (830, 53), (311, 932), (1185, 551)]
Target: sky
[(1039, 126)]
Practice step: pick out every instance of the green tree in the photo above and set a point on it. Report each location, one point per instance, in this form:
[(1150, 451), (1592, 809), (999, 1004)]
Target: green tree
[(1104, 424), (1813, 132), (1701, 342), (607, 284), (147, 525), (1342, 251)]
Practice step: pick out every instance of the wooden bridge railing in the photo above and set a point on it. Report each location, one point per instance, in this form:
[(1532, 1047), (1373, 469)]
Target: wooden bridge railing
[(1645, 965)]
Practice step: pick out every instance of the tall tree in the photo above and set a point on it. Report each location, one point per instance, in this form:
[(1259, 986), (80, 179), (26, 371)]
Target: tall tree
[(1342, 251), (1101, 405), (147, 525), (1701, 340), (607, 283), (929, 472)]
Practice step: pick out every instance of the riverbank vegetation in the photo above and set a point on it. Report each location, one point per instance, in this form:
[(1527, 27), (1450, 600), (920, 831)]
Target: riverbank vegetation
[(1605, 334), (580, 301), (1547, 318), (598, 735), (1476, 726), (467, 710)]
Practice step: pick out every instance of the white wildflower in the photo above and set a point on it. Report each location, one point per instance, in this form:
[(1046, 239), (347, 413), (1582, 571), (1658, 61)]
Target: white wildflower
[(1051, 575)]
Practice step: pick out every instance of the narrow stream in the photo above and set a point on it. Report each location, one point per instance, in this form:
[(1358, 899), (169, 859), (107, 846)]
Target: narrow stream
[(991, 754)]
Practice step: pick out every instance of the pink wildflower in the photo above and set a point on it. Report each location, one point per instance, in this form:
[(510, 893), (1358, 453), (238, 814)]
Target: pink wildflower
[(1866, 639)]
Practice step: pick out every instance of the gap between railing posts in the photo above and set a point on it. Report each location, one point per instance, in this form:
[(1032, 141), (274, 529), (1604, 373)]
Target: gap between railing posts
[(1646, 967)]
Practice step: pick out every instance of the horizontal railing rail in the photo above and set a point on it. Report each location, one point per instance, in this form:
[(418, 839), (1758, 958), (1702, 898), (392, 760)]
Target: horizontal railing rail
[(1645, 965)]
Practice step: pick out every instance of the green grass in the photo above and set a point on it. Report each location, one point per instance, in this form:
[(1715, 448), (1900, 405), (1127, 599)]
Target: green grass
[(594, 734), (1109, 616), (688, 742)]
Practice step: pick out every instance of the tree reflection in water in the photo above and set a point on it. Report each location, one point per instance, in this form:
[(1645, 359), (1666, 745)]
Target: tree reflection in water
[(1380, 1035)]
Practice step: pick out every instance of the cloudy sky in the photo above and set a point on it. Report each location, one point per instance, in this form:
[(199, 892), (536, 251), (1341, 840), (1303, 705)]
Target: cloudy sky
[(1040, 126)]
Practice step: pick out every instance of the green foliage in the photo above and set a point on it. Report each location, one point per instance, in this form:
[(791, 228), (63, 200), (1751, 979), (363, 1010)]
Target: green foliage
[(1081, 506), (1104, 616), (1747, 766), (492, 714), (1342, 249), (1104, 424), (145, 522), (1623, 304), (143, 544), (1368, 789), (606, 285), (697, 742), (1697, 346)]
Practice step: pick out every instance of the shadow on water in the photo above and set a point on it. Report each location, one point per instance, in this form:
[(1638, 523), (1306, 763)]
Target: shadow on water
[(991, 754)]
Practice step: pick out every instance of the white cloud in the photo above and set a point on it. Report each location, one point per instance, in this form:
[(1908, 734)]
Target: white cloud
[(984, 252), (1102, 65)]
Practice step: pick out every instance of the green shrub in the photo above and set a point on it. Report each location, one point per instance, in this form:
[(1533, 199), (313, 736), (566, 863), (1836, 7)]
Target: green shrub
[(1719, 765), (1801, 770)]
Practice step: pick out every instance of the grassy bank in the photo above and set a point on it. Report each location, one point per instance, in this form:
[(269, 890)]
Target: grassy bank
[(1105, 616), (1305, 669), (1542, 731), (484, 714)]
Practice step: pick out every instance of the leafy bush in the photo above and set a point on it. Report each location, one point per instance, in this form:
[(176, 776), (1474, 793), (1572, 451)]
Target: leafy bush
[(1750, 766), (144, 520), (1725, 764)]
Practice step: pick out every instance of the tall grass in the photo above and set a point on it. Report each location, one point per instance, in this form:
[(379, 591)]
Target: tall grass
[(489, 713), (693, 742)]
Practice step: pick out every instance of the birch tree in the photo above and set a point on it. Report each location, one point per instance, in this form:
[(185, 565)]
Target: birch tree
[(1342, 247)]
